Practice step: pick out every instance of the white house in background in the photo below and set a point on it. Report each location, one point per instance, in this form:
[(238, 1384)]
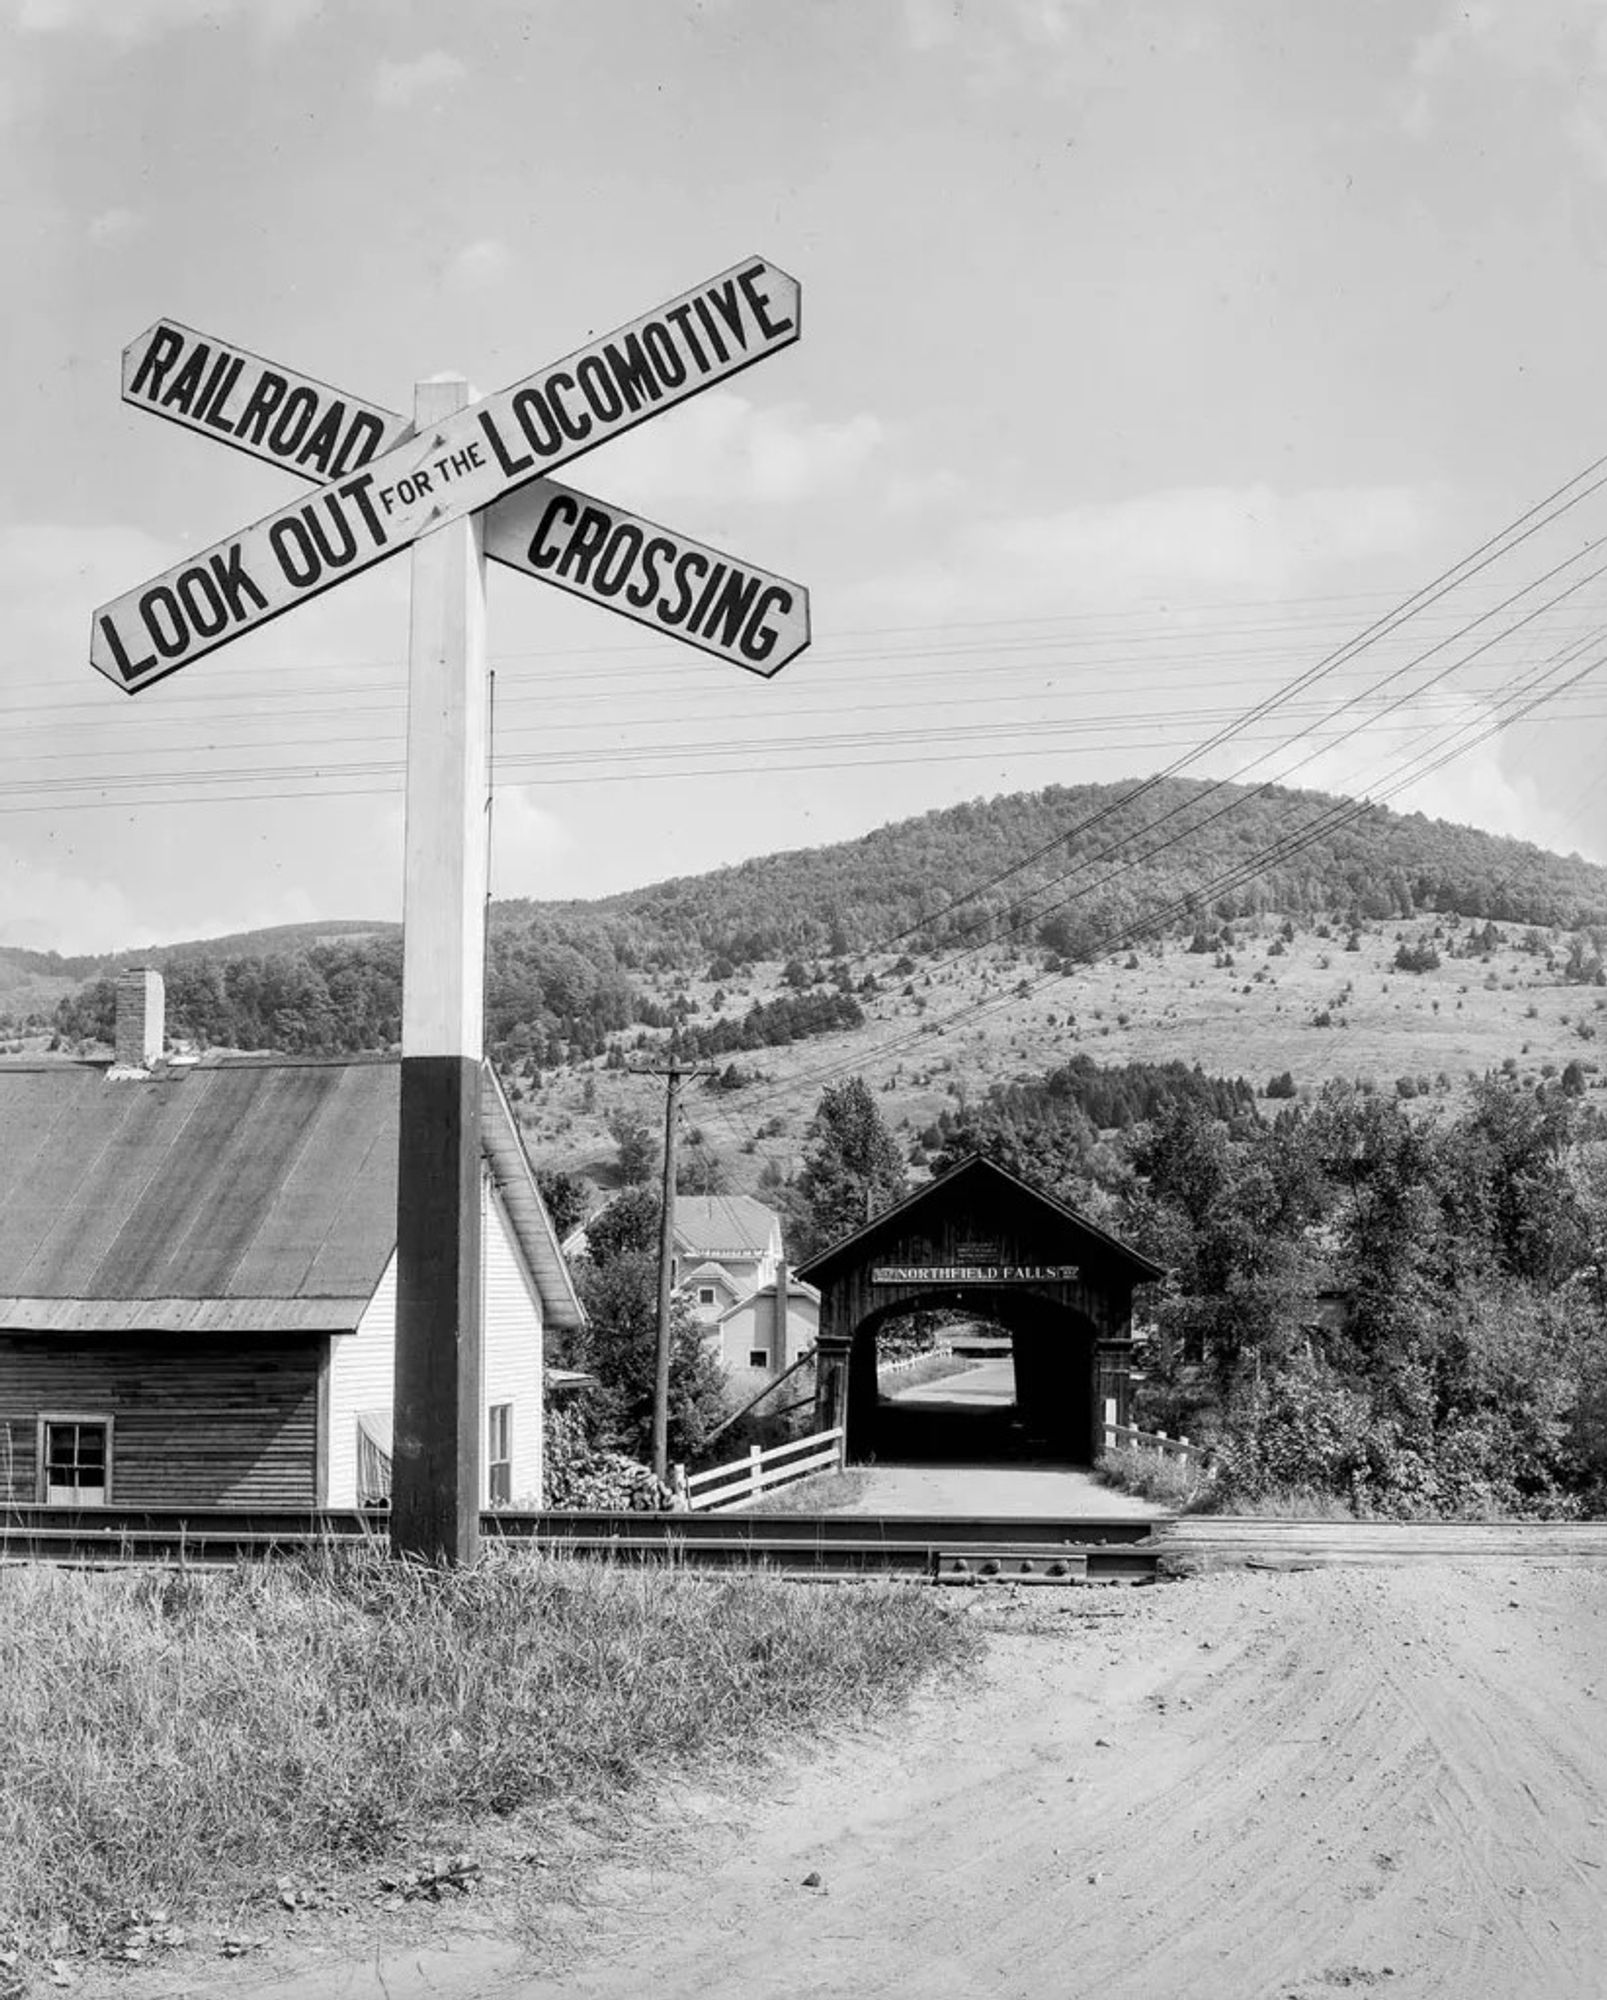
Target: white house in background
[(730, 1267), (771, 1327), (726, 1244)]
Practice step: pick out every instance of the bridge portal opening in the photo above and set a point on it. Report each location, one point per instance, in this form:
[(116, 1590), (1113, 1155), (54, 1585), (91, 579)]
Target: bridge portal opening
[(1006, 1383)]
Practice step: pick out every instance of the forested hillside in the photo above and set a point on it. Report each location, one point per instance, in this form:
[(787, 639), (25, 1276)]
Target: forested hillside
[(1103, 858), (1065, 873)]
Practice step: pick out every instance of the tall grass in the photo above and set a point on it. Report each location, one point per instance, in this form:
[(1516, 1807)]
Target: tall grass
[(1195, 1489), (1185, 1488), (820, 1493), (176, 1741)]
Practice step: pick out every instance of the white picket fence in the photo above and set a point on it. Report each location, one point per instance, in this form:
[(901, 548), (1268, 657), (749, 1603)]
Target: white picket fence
[(908, 1361), (746, 1478), (1123, 1437)]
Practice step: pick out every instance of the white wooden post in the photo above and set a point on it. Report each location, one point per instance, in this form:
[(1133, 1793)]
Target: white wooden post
[(1110, 1423), (435, 1508), (755, 1469)]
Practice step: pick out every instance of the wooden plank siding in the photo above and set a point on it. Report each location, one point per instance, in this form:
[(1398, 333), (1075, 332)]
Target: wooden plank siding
[(202, 1423)]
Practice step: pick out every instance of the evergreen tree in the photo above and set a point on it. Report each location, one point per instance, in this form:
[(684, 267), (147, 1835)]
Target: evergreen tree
[(566, 1197), (630, 1222), (853, 1168), (632, 1134)]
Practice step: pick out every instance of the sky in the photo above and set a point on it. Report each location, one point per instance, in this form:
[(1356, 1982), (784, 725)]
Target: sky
[(1151, 353)]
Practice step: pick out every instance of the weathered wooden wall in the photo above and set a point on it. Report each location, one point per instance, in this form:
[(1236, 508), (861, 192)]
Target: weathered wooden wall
[(196, 1422)]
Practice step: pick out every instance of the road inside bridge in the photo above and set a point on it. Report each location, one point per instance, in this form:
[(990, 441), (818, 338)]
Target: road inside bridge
[(1045, 1492)]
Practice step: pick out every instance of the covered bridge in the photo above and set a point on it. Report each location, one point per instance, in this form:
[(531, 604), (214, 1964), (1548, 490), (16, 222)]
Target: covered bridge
[(981, 1240)]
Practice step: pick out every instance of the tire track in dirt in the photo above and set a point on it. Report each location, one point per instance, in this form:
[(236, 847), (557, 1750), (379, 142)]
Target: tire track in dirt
[(1252, 1786)]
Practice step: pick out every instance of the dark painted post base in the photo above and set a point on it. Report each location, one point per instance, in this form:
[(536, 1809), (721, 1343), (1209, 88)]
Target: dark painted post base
[(831, 1390), (435, 1462)]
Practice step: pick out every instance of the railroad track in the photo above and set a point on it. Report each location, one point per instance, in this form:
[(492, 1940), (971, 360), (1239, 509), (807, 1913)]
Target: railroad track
[(939, 1548), (936, 1547)]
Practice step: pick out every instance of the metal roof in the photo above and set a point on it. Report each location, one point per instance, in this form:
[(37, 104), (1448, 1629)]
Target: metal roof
[(255, 1195), (527, 1212), (707, 1224)]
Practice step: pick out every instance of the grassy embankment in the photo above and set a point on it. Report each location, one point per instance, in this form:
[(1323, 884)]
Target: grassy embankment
[(174, 1744), (1192, 1489)]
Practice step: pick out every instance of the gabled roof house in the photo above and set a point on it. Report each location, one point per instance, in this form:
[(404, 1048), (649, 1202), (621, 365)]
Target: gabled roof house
[(198, 1284)]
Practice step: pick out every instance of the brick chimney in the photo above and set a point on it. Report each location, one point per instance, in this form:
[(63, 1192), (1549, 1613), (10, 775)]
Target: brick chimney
[(141, 1006)]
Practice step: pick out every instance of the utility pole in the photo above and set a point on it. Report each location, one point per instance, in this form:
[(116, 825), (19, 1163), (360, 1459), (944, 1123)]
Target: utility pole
[(437, 1452), (672, 1070)]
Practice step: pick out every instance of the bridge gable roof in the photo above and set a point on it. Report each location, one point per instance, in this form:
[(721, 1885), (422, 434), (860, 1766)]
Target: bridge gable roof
[(970, 1177)]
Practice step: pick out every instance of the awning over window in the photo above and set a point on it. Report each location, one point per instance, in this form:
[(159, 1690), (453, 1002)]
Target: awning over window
[(373, 1458)]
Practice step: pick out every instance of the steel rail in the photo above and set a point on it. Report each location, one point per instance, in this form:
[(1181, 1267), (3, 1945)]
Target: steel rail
[(932, 1546)]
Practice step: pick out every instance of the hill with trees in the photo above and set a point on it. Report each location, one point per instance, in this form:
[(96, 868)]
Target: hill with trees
[(1066, 873)]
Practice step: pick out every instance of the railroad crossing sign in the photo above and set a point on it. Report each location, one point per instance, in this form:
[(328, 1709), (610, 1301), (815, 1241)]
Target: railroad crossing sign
[(663, 580), (383, 485), (461, 481)]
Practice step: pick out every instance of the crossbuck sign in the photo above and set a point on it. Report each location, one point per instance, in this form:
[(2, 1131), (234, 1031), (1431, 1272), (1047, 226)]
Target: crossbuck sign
[(459, 482), (382, 485)]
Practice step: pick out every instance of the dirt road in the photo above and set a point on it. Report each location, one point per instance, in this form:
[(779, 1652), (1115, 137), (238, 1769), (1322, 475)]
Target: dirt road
[(1246, 1785)]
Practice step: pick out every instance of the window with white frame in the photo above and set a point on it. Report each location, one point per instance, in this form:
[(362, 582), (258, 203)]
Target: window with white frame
[(758, 1357), (705, 1295), (499, 1455), (75, 1461)]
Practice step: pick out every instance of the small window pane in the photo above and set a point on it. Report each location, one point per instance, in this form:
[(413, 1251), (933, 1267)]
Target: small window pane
[(75, 1462), (499, 1457)]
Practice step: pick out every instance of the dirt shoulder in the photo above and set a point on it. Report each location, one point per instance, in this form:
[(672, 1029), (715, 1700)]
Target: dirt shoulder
[(1249, 1784)]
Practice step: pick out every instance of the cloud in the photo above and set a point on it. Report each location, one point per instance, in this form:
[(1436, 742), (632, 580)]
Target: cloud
[(935, 24), (526, 841), (1556, 47), (1195, 542), (130, 21), (396, 85), (915, 493), (51, 574), (480, 264), (1050, 45), (115, 225), (722, 448), (1483, 784)]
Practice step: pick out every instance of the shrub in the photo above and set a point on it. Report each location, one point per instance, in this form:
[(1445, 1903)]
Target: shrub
[(1419, 957), (579, 1478), (1301, 1427)]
